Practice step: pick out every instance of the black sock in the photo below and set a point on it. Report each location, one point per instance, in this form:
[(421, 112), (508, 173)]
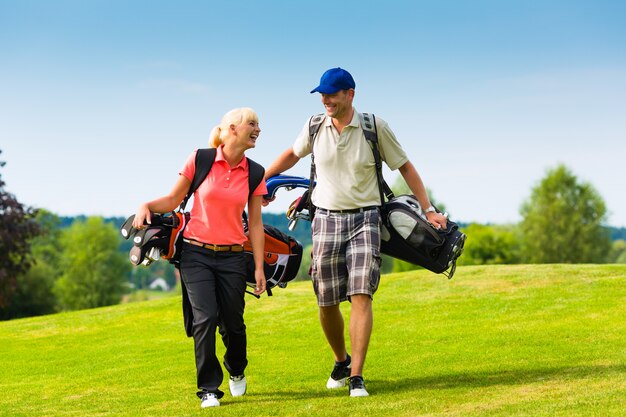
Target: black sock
[(345, 362)]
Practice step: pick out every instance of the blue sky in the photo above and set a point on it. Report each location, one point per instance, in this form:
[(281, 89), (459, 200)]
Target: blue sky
[(102, 101)]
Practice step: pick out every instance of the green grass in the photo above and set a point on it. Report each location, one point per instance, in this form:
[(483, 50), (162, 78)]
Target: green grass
[(540, 340)]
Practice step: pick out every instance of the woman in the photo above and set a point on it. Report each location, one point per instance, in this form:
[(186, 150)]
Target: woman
[(213, 266)]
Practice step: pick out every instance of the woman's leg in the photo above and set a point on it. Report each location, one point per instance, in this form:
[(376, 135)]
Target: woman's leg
[(230, 288), (197, 271)]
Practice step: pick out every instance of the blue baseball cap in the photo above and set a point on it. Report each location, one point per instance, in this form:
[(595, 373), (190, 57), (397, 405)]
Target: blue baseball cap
[(333, 80)]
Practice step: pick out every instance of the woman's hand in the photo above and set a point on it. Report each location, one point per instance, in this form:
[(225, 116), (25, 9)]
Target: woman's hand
[(259, 277), (143, 215), (266, 201)]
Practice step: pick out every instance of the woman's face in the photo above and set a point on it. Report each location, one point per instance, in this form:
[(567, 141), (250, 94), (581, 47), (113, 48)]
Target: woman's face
[(247, 133)]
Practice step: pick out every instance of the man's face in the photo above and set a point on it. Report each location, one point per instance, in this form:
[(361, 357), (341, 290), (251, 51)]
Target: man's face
[(339, 104)]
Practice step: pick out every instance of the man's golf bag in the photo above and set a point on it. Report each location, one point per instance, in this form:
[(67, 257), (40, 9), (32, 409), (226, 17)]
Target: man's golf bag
[(407, 235)]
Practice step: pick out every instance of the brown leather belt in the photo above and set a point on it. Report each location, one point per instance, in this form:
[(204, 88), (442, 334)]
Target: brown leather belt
[(347, 211), (215, 248)]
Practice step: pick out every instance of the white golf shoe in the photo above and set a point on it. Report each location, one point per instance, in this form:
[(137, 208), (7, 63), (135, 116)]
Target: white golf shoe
[(209, 400), (237, 385)]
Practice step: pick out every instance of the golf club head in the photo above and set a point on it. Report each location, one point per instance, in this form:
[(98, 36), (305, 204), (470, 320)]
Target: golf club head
[(292, 210), (302, 202), (135, 255), (127, 229), (153, 255), (138, 254), (144, 235)]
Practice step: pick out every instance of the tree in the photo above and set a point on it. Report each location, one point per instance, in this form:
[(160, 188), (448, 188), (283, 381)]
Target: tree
[(562, 221), (34, 294), (618, 252), (490, 245), (401, 187), (17, 227), (94, 270)]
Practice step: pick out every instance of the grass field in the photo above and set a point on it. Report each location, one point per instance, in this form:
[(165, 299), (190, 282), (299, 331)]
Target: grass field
[(540, 340)]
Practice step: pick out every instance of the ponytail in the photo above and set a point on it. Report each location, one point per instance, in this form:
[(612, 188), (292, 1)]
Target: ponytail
[(215, 138)]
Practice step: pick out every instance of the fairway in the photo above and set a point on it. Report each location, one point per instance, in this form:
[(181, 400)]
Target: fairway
[(522, 340)]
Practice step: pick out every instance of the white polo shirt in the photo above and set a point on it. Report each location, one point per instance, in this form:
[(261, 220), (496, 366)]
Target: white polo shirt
[(344, 163)]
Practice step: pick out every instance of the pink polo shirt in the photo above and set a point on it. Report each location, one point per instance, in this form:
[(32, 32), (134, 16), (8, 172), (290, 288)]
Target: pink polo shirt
[(219, 201)]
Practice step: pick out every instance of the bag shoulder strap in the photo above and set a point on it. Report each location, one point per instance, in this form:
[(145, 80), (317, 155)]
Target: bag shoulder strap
[(203, 162), (256, 172), (315, 122), (368, 124), (255, 175)]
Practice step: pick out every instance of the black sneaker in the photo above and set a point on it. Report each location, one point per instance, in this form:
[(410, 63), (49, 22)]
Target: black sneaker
[(357, 387), (340, 372)]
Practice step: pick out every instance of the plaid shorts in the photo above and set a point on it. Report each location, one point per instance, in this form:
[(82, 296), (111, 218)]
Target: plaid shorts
[(346, 255)]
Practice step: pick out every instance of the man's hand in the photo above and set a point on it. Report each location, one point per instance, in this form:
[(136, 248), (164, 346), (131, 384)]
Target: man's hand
[(438, 220)]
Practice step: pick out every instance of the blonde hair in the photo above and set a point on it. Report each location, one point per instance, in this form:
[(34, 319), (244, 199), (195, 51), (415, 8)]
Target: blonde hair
[(233, 117)]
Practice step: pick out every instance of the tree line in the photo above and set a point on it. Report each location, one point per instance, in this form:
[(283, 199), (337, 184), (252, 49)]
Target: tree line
[(50, 263), (563, 221)]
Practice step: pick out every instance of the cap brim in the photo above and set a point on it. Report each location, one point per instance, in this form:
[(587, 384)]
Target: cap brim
[(325, 89)]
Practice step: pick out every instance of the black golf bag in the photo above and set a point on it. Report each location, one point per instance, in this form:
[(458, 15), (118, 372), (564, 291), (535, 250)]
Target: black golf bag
[(407, 235)]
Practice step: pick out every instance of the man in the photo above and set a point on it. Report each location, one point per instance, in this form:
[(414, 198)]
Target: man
[(346, 226)]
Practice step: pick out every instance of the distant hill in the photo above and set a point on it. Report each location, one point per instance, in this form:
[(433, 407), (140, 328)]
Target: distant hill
[(302, 232), (618, 233)]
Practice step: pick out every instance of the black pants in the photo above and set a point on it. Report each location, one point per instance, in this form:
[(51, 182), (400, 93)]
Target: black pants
[(216, 284)]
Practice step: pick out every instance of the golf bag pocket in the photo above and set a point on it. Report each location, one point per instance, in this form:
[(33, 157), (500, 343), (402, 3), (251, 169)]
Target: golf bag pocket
[(282, 258), (407, 235)]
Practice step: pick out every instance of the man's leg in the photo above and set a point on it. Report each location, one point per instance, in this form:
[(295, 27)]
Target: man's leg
[(329, 275), (327, 272), (332, 324), (361, 323), (363, 261)]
